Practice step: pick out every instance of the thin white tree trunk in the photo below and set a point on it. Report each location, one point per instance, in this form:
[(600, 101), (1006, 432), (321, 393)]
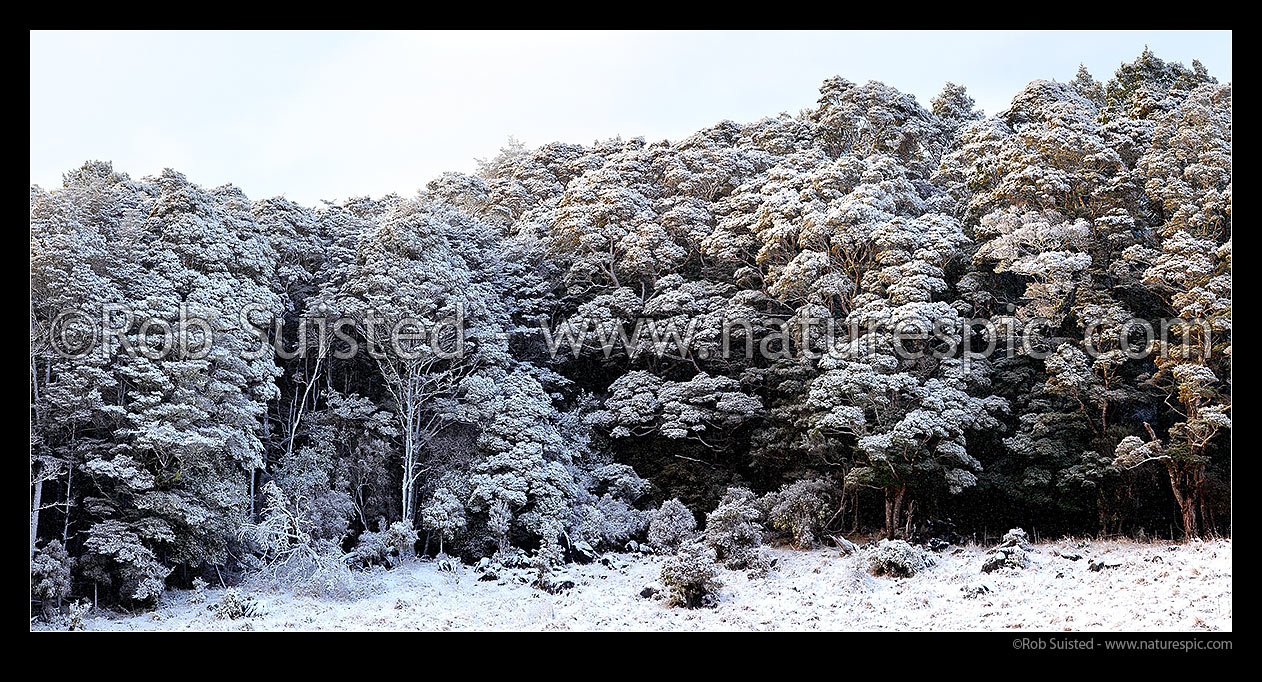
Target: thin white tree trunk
[(65, 529), (35, 504)]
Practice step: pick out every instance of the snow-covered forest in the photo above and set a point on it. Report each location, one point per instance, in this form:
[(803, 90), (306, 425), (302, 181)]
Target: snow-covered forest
[(875, 320)]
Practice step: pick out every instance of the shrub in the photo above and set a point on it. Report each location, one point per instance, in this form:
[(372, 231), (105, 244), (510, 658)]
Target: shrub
[(607, 523), (800, 509), (50, 576), (319, 571), (691, 577), (199, 591), (733, 530), (1016, 538), (1006, 557), (401, 539), (898, 559), (757, 562), (233, 606), (499, 522), (78, 610), (1011, 553), (287, 555), (370, 550), (672, 524), (381, 548)]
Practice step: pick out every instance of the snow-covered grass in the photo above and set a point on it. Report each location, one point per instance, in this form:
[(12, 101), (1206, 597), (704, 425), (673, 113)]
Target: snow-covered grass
[(1156, 587)]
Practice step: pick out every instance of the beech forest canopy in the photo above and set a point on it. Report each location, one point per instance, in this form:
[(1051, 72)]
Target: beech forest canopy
[(1087, 205)]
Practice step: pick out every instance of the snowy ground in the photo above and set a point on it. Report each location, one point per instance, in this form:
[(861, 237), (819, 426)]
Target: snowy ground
[(1157, 587)]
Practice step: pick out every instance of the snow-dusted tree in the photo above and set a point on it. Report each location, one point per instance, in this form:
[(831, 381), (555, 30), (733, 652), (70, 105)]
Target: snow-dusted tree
[(876, 119), (166, 423), (1052, 197), (194, 421), (1149, 86), (443, 515), (76, 239), (907, 407), (1091, 89), (642, 403), (525, 465), (954, 109), (428, 313), (1188, 172), (608, 223)]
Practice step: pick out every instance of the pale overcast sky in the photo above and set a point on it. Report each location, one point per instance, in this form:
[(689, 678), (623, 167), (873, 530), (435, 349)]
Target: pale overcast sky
[(319, 115)]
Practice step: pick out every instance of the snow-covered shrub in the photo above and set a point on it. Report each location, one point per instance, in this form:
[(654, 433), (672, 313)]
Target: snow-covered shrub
[(1006, 557), (1012, 552), (321, 572), (499, 522), (382, 548), (1016, 538), (234, 605), (288, 555), (691, 576), (672, 524), (199, 591), (898, 559), (78, 610), (446, 564), (513, 557), (800, 509), (370, 550), (758, 562), (607, 522), (733, 530), (549, 555), (622, 521), (401, 539), (50, 576)]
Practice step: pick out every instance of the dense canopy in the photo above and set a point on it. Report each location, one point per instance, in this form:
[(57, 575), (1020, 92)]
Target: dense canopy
[(746, 295)]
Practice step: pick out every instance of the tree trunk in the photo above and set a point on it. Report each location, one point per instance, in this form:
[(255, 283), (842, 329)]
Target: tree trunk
[(893, 509), (911, 511), (1185, 483), (65, 528), (409, 464), (898, 509), (889, 513), (35, 504)]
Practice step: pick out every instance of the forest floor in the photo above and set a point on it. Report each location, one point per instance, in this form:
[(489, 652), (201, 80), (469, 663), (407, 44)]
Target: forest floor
[(1149, 586)]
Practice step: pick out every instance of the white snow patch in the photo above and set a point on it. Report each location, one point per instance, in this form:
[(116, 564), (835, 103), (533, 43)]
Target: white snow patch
[(1158, 587)]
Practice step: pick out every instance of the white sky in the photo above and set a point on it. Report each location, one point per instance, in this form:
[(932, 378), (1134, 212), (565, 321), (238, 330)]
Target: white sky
[(318, 115)]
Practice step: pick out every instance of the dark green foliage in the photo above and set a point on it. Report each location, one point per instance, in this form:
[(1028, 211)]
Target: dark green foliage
[(1086, 204)]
